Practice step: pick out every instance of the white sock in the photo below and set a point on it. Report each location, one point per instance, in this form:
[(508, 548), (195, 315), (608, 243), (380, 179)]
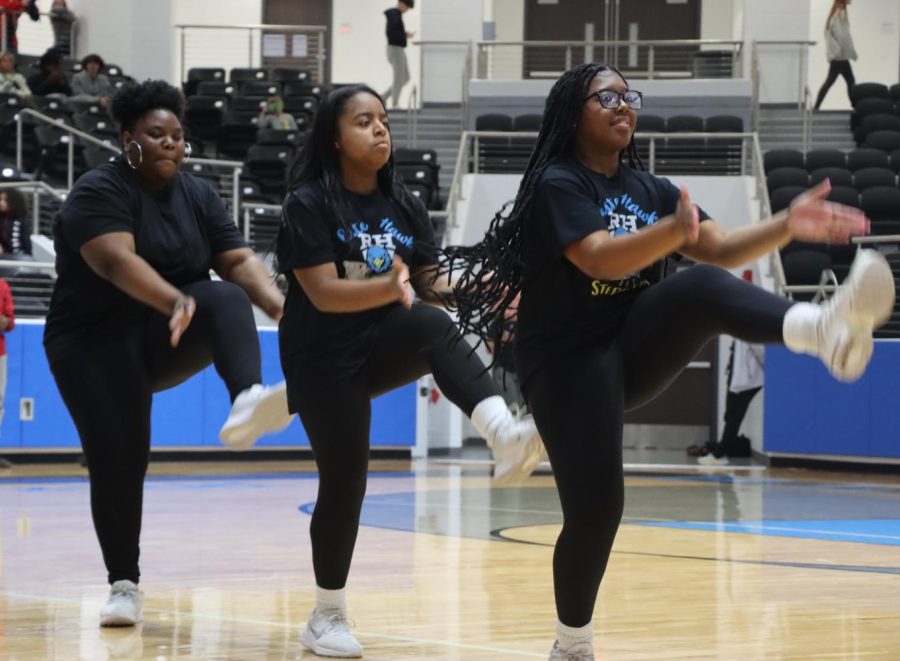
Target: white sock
[(489, 416), (570, 636), (801, 328), (329, 600)]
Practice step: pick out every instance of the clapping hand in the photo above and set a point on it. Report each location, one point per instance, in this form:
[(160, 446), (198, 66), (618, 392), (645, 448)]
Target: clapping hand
[(812, 218)]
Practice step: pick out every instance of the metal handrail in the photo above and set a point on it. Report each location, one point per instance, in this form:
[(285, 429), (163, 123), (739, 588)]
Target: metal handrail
[(70, 146), (412, 115), (38, 187), (320, 29), (607, 45), (237, 166)]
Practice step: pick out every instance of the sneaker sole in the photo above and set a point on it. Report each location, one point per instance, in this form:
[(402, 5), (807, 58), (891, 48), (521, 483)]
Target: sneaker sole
[(511, 473), (243, 435), (873, 291), (118, 621), (309, 642)]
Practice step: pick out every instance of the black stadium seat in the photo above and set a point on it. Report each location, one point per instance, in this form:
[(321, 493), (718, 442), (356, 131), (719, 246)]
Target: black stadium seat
[(871, 177), (882, 205), (862, 91), (887, 141), (844, 195), (781, 177), (781, 198), (825, 158), (866, 157), (837, 176), (783, 158), (247, 73)]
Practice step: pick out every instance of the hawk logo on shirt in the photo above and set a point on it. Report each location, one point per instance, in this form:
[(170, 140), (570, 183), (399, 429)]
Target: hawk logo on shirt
[(625, 216), (377, 250)]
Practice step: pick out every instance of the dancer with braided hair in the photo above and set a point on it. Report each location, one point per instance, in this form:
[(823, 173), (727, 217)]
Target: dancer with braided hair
[(601, 331), (355, 245)]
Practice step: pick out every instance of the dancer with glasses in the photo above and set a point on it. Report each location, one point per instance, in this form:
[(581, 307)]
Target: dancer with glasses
[(601, 330), (134, 312)]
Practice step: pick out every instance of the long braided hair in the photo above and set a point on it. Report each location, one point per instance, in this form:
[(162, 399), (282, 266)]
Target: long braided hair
[(488, 275)]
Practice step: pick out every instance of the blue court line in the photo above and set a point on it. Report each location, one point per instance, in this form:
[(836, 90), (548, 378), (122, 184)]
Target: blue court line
[(864, 531)]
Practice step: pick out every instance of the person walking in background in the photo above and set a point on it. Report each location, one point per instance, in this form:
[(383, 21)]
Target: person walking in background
[(839, 49), (396, 49), (14, 236), (7, 323), (62, 19)]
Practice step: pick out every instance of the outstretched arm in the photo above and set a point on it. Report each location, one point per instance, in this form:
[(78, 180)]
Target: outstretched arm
[(810, 218)]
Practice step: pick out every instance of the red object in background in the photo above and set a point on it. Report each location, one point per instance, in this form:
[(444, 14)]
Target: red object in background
[(435, 395), (748, 275)]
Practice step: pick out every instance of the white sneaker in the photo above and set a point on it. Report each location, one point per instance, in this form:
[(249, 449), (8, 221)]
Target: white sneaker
[(256, 411), (860, 305), (581, 652), (711, 460), (517, 450), (124, 606), (327, 634)]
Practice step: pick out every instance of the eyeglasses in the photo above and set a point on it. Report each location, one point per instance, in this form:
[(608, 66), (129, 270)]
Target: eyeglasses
[(611, 99)]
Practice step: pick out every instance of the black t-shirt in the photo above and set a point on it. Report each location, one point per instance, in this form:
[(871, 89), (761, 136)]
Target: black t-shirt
[(314, 344), (396, 33), (178, 233), (561, 307)]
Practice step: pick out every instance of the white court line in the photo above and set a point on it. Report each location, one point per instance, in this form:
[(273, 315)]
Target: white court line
[(694, 468), (763, 528), (282, 625)]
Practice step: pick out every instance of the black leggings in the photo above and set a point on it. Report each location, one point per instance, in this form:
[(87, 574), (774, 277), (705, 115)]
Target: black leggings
[(409, 344), (835, 68), (108, 389), (579, 399)]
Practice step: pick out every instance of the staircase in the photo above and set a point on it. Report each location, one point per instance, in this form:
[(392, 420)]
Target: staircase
[(439, 128), (782, 128)]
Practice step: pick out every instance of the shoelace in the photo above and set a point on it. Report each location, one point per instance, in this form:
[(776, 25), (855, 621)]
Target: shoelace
[(334, 621)]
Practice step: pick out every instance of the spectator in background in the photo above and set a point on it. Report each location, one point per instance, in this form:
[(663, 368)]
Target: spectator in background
[(14, 236), (839, 49), (273, 116), (7, 322), (50, 79), (62, 18), (89, 84), (10, 10), (11, 81), (396, 49)]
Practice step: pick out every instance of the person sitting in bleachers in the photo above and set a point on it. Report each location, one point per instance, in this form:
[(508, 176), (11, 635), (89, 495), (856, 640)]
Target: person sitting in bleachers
[(11, 81), (273, 116), (89, 84), (50, 79), (14, 235)]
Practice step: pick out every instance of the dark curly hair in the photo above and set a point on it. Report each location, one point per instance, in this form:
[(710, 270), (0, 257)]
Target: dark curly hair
[(134, 100)]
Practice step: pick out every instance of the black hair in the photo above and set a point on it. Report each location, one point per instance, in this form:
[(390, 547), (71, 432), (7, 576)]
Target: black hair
[(15, 200), (134, 100), (489, 274), (50, 56), (318, 160), (93, 57), (409, 3)]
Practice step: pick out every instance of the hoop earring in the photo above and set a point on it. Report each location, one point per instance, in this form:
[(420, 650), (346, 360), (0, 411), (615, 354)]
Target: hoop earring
[(128, 155), (188, 150)]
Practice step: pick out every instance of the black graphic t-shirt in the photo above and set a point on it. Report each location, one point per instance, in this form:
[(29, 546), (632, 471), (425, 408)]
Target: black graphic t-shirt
[(561, 307), (177, 232), (316, 345)]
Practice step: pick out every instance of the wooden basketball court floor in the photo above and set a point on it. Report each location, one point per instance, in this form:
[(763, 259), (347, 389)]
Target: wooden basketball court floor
[(707, 565)]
